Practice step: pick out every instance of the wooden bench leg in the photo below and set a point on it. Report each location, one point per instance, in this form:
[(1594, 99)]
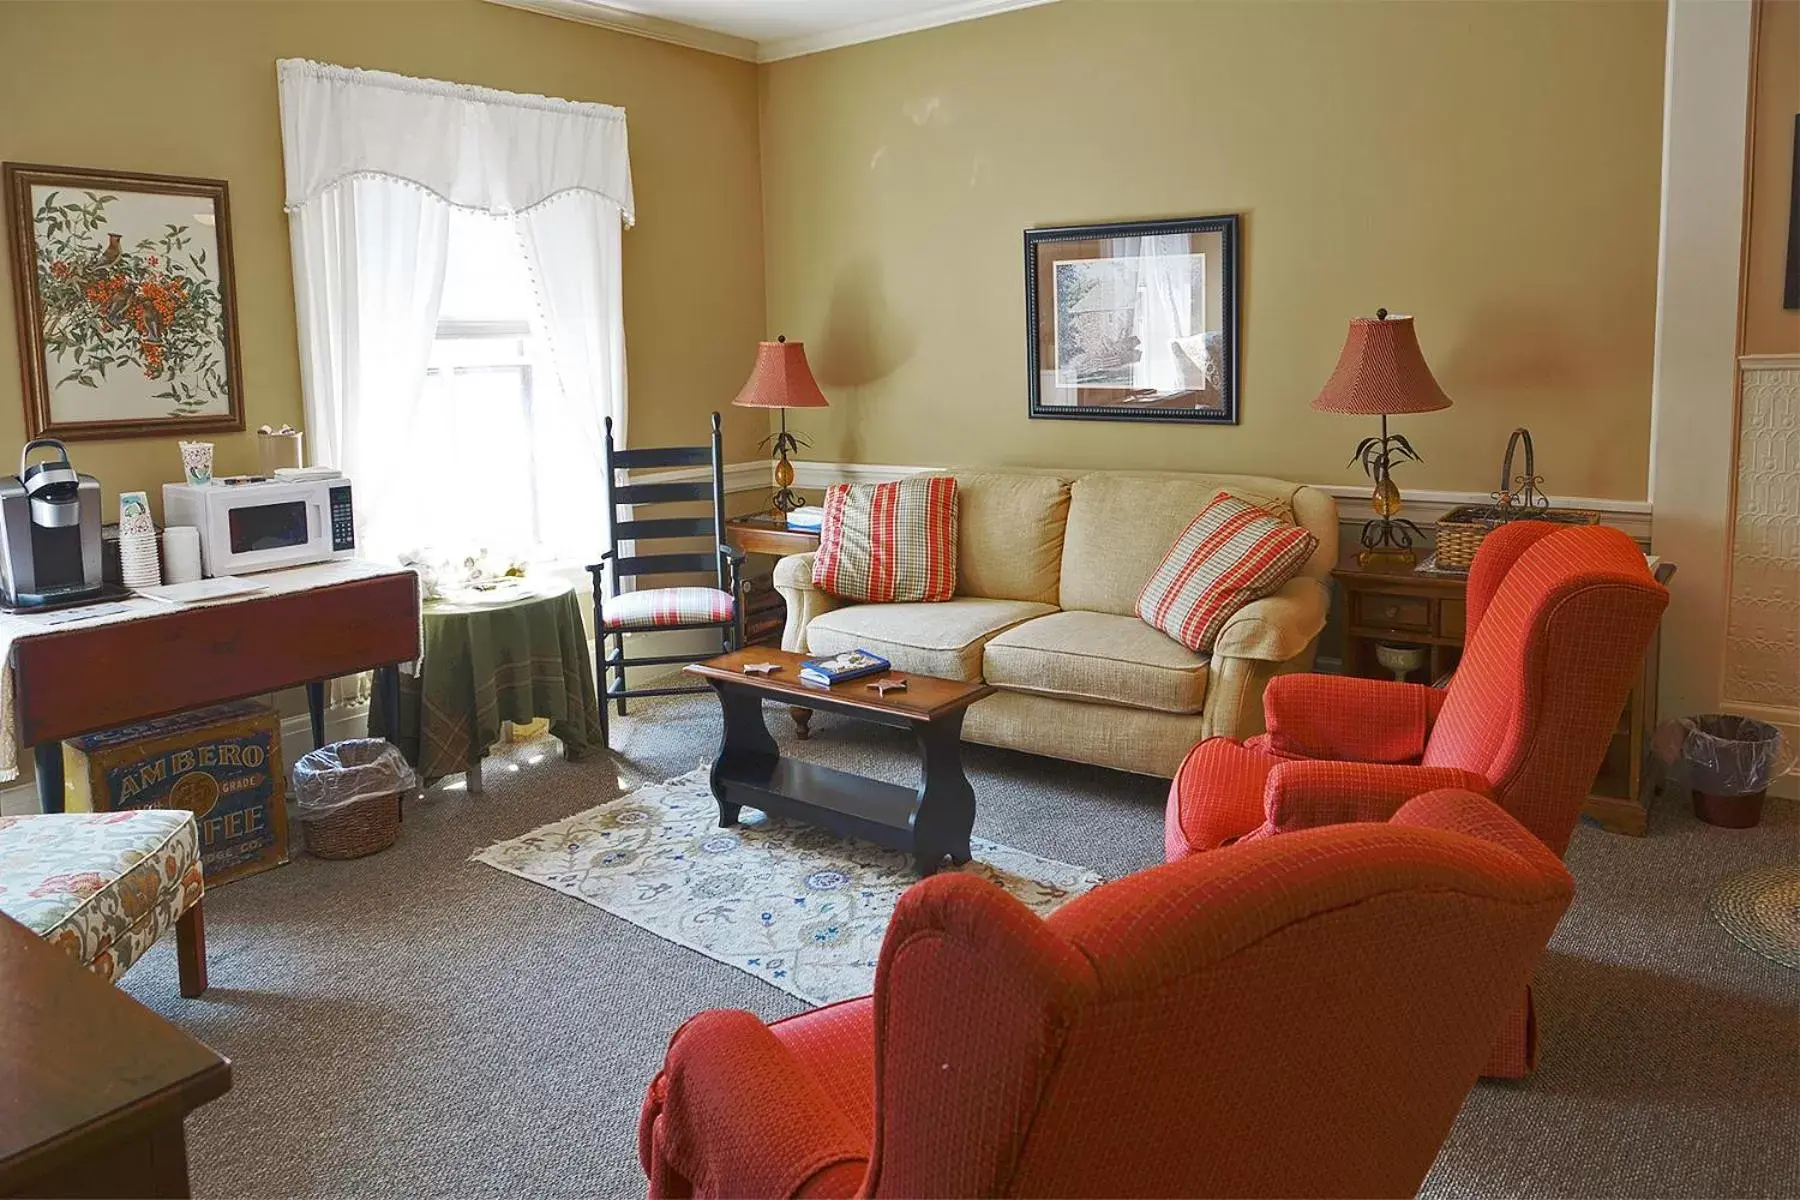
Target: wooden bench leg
[(190, 951)]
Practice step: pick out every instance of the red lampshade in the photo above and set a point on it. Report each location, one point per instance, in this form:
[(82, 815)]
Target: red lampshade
[(780, 378), (1381, 371)]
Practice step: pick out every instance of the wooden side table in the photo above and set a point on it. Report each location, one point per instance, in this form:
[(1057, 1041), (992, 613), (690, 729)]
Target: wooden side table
[(1405, 607), (765, 613)]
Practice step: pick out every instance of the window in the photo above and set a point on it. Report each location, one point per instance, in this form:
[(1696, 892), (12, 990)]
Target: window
[(491, 431)]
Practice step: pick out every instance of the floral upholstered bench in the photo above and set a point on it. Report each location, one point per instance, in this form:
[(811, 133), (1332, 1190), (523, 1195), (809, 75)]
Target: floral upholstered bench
[(105, 886)]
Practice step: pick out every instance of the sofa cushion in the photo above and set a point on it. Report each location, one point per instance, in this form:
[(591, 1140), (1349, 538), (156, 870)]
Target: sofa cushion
[(103, 886), (1232, 554), (943, 639), (1121, 524), (1100, 657), (1010, 535), (887, 542)]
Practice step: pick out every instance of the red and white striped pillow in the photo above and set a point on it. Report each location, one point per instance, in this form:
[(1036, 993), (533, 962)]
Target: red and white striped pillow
[(888, 542), (1233, 553)]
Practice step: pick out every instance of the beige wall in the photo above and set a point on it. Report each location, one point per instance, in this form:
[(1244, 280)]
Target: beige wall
[(1492, 168), (189, 89), (1769, 328)]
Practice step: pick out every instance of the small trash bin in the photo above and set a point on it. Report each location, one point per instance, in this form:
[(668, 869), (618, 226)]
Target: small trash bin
[(347, 795), (1730, 761)]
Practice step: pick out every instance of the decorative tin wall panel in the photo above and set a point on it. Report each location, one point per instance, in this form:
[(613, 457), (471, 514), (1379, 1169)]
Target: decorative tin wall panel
[(1762, 638)]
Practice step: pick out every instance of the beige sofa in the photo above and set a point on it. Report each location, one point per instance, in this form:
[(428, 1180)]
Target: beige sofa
[(1049, 567)]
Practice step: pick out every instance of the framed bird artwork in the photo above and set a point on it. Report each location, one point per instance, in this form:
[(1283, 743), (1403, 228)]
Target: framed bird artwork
[(126, 304)]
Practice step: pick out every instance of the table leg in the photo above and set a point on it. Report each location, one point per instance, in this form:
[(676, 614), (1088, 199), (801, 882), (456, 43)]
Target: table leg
[(946, 815), (315, 709), (745, 736), (802, 719), (472, 776), (47, 757), (387, 695)]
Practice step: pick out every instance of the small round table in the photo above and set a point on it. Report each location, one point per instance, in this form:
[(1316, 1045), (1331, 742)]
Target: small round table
[(516, 656)]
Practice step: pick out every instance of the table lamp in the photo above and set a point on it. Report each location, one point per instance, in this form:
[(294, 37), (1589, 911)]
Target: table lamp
[(781, 379), (1382, 372)]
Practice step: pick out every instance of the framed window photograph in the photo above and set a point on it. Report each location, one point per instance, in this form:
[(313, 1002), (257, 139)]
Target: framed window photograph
[(1134, 321), (127, 313)]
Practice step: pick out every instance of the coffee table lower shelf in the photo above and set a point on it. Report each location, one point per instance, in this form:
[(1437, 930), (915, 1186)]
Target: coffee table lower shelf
[(848, 805)]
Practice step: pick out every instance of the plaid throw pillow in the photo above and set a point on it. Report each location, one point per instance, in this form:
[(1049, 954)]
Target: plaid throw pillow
[(887, 542), (1233, 553)]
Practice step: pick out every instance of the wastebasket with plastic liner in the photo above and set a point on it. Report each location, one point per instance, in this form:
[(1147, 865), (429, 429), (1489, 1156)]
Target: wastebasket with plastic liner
[(348, 797)]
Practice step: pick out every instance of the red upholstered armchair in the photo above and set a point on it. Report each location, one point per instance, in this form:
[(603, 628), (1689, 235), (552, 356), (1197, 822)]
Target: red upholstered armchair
[(1301, 1016), (1558, 622)]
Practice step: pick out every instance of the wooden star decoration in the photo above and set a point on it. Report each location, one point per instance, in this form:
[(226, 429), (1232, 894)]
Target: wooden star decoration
[(761, 668), (884, 686)]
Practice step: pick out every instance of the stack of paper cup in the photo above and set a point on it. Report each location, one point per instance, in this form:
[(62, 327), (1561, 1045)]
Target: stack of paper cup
[(181, 554), (139, 565)]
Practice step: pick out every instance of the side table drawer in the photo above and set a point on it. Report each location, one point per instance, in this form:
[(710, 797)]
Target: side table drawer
[(1383, 611)]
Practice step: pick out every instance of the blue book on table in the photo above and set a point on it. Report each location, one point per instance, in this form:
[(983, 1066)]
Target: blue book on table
[(851, 664)]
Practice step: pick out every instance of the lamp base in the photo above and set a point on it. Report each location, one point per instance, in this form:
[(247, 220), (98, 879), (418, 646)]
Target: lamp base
[(1388, 542)]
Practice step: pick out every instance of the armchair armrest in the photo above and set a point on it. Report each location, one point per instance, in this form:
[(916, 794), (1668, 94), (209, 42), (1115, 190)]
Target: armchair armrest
[(1278, 627), (1350, 720), (1458, 812), (793, 579), (701, 1132), (1301, 795)]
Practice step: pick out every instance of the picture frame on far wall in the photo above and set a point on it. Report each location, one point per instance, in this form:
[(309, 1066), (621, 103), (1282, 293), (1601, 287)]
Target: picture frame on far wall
[(1134, 321), (126, 302)]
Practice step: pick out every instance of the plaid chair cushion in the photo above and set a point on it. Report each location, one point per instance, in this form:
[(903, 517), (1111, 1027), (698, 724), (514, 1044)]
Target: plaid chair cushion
[(889, 543), (1232, 553), (663, 608)]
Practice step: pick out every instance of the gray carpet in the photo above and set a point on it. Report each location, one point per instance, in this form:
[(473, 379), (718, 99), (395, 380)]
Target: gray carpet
[(414, 1023)]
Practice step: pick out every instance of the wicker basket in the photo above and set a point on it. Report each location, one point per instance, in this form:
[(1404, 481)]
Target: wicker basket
[(1461, 530), (366, 826)]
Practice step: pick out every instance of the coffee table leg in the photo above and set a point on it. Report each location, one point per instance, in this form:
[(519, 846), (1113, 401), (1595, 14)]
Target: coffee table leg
[(946, 815), (745, 736)]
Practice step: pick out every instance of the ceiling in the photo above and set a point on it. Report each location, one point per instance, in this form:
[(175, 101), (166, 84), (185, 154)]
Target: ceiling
[(768, 30)]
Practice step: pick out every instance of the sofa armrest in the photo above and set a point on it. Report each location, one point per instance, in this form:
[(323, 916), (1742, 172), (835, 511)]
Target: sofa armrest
[(1302, 795), (793, 579), (1348, 719), (697, 1133), (1278, 627)]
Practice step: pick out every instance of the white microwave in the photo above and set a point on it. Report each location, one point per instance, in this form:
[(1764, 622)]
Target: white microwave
[(261, 526)]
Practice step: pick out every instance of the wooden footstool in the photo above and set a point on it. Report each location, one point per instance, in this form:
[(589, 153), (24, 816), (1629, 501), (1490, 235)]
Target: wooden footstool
[(105, 886)]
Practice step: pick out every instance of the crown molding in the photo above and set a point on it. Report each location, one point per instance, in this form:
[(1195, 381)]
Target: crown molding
[(624, 20), (620, 20), (871, 31), (1768, 362)]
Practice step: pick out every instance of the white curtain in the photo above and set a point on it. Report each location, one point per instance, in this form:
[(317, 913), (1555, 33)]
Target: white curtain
[(373, 162), (1173, 315), (368, 278)]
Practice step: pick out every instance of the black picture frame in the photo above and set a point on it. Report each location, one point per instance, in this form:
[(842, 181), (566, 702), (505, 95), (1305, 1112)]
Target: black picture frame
[(1213, 402), (1790, 292)]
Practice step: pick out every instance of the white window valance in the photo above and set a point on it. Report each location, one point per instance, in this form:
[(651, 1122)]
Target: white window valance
[(474, 147)]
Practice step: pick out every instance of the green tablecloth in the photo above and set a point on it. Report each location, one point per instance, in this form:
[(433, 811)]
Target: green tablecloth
[(482, 664)]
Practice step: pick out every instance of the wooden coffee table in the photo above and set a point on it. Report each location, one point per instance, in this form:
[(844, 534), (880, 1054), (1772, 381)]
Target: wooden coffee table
[(930, 821)]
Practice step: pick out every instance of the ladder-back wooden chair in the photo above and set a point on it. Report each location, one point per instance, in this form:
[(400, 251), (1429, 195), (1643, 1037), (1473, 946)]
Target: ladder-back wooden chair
[(618, 612)]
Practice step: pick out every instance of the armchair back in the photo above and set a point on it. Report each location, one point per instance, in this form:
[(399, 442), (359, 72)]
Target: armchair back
[(1560, 620), (1297, 1016)]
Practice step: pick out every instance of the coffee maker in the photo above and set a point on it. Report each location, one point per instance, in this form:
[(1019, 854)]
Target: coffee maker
[(49, 532)]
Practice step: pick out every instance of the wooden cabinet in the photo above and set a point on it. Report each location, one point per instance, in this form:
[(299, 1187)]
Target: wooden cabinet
[(765, 613), (1403, 607)]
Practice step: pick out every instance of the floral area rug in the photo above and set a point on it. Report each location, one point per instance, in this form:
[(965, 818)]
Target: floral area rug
[(795, 906)]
